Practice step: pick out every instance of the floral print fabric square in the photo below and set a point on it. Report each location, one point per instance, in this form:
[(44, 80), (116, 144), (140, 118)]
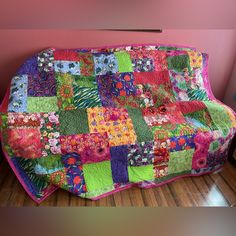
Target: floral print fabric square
[(92, 147), (25, 142), (140, 154), (120, 131), (50, 133)]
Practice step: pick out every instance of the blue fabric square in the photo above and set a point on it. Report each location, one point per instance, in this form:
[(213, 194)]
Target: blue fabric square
[(105, 64), (119, 164), (67, 67), (18, 94)]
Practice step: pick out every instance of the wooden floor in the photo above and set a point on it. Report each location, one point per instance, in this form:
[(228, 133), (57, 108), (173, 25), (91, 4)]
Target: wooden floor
[(209, 190)]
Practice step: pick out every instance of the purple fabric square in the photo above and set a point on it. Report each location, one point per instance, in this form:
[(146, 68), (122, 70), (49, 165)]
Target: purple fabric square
[(42, 86), (104, 89), (30, 67), (119, 164)]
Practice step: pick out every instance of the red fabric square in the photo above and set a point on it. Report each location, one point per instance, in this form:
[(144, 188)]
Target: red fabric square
[(66, 55), (25, 142), (154, 77)]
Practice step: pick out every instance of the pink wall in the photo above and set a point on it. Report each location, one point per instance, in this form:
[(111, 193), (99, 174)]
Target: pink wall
[(17, 45)]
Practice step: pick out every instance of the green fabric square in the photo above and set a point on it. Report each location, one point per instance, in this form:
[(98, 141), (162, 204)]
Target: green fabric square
[(142, 130), (220, 116), (98, 176), (86, 97), (42, 104), (180, 161), (73, 122), (86, 81), (178, 63), (140, 173), (124, 61)]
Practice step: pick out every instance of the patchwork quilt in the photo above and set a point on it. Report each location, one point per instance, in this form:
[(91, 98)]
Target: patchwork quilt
[(95, 121)]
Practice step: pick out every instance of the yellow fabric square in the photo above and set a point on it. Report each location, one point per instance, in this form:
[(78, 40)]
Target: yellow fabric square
[(120, 132), (195, 59)]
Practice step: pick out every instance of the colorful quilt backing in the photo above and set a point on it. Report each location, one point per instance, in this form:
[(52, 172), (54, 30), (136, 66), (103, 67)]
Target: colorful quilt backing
[(97, 121)]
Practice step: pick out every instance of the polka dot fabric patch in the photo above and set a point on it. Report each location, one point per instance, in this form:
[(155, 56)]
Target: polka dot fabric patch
[(95, 121)]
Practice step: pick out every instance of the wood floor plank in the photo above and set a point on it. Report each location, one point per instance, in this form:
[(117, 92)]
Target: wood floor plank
[(106, 201), (149, 197), (18, 195), (194, 193), (62, 198), (6, 190), (77, 201), (181, 193), (229, 175), (136, 197), (163, 196)]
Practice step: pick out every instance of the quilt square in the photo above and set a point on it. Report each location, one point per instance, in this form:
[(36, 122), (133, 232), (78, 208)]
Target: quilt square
[(180, 143), (103, 178), (124, 61), (105, 63), (154, 77), (105, 85), (43, 85), (161, 151), (50, 133), (18, 94), (195, 59), (120, 132), (123, 84), (92, 147), (140, 173), (67, 67), (69, 122), (23, 119), (45, 60), (25, 142), (141, 65), (141, 128), (66, 55), (119, 164), (141, 153), (75, 180), (65, 93), (179, 63), (86, 64), (42, 104), (180, 161), (85, 97)]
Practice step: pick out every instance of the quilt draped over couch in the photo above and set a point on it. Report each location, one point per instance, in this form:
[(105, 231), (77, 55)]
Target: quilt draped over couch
[(95, 121)]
